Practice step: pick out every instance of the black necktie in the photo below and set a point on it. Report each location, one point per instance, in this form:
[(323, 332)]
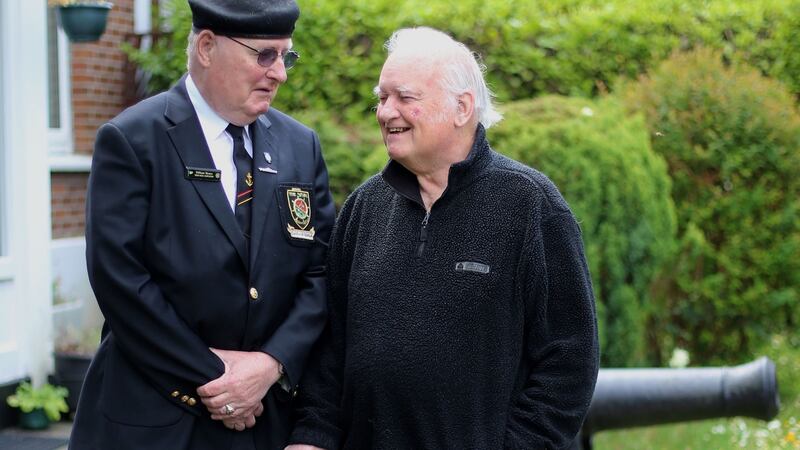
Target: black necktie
[(244, 179)]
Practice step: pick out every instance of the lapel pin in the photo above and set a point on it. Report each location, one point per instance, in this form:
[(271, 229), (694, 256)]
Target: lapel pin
[(268, 157), (267, 169)]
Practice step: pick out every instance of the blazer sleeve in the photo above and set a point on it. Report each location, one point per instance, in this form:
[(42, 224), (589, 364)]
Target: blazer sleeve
[(292, 341), (561, 348), (145, 326)]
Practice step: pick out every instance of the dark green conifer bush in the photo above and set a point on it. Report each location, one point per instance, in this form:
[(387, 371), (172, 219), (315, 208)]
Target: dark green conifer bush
[(619, 190)]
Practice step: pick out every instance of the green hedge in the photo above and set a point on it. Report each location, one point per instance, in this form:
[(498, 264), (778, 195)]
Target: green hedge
[(735, 278), (353, 152), (618, 189), (732, 142), (530, 47)]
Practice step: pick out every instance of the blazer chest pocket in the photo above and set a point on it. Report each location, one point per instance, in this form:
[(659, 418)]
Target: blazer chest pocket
[(296, 204)]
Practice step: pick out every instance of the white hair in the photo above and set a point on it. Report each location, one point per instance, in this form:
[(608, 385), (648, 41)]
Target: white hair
[(461, 70), (190, 43)]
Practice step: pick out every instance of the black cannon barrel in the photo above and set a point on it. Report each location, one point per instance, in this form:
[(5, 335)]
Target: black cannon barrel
[(626, 398)]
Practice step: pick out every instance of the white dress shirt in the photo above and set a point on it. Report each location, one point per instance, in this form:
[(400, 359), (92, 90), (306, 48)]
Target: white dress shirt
[(221, 145), (219, 141)]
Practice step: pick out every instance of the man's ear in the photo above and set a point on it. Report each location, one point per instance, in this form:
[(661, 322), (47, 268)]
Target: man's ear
[(205, 44), (465, 108)]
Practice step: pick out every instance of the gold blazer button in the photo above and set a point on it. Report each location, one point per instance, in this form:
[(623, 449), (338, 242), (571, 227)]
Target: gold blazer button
[(254, 293)]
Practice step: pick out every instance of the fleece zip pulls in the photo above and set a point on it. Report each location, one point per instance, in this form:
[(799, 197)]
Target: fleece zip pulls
[(423, 234)]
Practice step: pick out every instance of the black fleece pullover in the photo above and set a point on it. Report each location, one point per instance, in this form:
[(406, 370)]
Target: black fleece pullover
[(469, 327)]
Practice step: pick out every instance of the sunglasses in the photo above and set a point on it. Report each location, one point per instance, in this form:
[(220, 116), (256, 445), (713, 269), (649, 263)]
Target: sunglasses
[(268, 56)]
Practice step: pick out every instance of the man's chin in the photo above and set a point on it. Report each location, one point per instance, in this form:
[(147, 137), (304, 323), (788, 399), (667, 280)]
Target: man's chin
[(395, 153), (260, 108), (262, 101)]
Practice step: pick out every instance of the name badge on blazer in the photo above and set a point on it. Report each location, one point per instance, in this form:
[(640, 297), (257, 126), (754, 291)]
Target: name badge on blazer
[(200, 174)]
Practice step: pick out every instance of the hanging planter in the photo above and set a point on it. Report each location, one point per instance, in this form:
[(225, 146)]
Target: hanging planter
[(82, 21)]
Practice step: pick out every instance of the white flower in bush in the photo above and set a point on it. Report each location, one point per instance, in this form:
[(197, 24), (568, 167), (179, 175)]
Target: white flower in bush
[(680, 358)]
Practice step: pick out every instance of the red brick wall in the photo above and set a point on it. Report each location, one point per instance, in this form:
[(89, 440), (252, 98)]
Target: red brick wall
[(98, 94), (68, 204), (98, 77)]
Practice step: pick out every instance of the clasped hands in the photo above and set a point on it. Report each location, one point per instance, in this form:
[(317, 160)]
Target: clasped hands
[(235, 397)]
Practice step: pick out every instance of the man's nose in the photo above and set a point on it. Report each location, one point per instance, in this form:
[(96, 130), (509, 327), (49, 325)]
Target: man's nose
[(386, 111), (277, 71)]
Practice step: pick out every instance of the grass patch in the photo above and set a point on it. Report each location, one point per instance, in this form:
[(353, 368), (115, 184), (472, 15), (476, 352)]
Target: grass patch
[(720, 434)]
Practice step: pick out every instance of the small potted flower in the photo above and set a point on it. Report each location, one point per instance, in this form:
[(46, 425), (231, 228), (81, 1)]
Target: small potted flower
[(39, 406), (82, 20)]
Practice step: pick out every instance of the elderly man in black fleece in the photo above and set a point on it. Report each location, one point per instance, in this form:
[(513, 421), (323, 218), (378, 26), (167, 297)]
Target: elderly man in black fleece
[(461, 308)]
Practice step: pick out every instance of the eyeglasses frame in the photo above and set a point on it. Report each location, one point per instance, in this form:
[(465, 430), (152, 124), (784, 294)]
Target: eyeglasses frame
[(278, 55)]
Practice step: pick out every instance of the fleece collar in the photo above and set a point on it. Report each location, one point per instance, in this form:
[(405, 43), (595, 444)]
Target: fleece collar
[(461, 175)]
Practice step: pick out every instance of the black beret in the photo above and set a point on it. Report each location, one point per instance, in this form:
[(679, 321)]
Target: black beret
[(257, 19)]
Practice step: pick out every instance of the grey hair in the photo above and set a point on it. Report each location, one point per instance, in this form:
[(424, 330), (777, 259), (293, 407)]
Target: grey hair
[(462, 71), (190, 43)]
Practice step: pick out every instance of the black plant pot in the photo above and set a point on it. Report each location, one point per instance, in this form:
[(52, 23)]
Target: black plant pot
[(70, 371), (84, 22), (34, 420)]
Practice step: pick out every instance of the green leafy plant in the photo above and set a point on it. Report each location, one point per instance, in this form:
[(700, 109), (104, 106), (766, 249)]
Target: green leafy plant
[(618, 188), (730, 138), (353, 152), (165, 61), (49, 398), (530, 47)]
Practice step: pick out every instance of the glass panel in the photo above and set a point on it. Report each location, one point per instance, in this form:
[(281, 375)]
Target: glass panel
[(52, 69)]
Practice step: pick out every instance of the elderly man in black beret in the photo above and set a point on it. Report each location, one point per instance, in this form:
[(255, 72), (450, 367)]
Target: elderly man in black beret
[(208, 216)]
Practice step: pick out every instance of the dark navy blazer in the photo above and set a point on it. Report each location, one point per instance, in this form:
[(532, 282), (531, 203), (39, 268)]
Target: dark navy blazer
[(173, 275)]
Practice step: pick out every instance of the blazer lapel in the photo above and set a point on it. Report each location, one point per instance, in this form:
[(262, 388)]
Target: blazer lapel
[(188, 140), (265, 181)]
